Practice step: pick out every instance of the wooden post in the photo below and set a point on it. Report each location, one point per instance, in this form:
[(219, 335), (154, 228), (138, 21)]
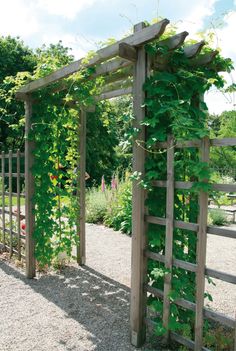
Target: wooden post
[(81, 249), (29, 192), (169, 231), (18, 206), (139, 266), (10, 200), (3, 200), (201, 251)]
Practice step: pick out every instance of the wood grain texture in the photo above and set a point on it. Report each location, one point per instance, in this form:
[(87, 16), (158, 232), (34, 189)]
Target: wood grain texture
[(81, 250), (18, 206), (29, 192), (139, 38), (201, 251), (169, 232), (3, 200), (138, 265)]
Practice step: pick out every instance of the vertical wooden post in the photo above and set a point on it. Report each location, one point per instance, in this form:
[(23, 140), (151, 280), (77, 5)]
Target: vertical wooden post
[(29, 192), (138, 268), (81, 249), (18, 205), (10, 199), (201, 251), (169, 231), (3, 200)]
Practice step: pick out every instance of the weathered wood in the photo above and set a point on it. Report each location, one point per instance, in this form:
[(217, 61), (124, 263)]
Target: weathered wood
[(169, 232), (188, 185), (138, 266), (29, 192), (208, 314), (128, 52), (14, 175), (177, 224), (178, 263), (186, 225), (174, 336), (228, 233), (3, 199), (226, 277), (13, 155), (114, 93), (175, 41), (219, 318), (201, 251), (10, 201), (197, 143), (123, 74), (223, 142), (18, 206), (81, 250), (137, 39), (155, 256), (186, 342), (195, 49), (204, 59), (111, 66), (155, 220)]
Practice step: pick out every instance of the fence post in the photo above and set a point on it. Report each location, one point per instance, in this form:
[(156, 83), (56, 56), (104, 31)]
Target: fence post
[(18, 205), (81, 249), (169, 231), (10, 200), (138, 265), (29, 192), (3, 201), (201, 251)]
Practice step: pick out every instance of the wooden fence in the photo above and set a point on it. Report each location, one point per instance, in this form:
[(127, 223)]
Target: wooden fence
[(11, 230), (201, 229)]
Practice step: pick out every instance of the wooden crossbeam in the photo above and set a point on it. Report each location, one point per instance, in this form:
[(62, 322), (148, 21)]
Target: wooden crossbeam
[(137, 39), (128, 52)]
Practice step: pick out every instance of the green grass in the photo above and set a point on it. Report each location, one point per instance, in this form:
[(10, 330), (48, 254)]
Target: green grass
[(14, 201)]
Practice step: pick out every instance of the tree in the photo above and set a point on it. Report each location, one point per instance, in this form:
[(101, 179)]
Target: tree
[(14, 57), (223, 158)]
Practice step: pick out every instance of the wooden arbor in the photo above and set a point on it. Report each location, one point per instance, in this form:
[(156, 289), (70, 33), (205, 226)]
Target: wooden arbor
[(128, 59)]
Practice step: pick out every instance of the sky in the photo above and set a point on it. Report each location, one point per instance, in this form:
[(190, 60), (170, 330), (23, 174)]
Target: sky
[(83, 24)]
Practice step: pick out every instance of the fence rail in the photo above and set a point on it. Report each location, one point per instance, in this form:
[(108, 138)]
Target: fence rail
[(11, 237), (201, 229)]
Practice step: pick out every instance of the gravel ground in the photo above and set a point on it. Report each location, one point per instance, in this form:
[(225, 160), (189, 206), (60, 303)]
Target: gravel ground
[(86, 308), (221, 255)]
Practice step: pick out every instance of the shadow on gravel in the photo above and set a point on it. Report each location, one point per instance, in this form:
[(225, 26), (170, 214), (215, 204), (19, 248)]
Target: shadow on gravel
[(98, 303)]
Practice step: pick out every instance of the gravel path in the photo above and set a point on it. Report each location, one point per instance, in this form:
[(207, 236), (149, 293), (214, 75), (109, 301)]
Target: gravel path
[(86, 308)]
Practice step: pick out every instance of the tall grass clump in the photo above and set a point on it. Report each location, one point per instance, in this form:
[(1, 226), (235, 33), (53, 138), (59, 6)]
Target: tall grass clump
[(96, 205), (111, 205)]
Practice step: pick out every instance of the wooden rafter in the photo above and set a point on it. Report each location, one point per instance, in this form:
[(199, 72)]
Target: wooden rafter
[(137, 39)]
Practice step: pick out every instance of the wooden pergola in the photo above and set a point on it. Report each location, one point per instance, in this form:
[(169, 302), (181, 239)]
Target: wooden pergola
[(125, 61)]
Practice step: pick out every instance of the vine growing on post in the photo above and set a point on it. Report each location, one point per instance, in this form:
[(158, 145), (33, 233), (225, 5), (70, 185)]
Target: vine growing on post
[(55, 130), (174, 106)]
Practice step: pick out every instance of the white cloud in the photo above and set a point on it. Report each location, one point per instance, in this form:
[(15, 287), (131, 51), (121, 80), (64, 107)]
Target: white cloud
[(217, 102), (65, 8), (194, 21), (18, 18), (80, 45)]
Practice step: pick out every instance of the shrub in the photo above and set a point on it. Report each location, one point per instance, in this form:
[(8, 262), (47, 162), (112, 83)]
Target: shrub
[(119, 211), (218, 217), (96, 205)]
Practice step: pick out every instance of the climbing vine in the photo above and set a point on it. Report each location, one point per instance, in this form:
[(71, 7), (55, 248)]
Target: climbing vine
[(174, 106)]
